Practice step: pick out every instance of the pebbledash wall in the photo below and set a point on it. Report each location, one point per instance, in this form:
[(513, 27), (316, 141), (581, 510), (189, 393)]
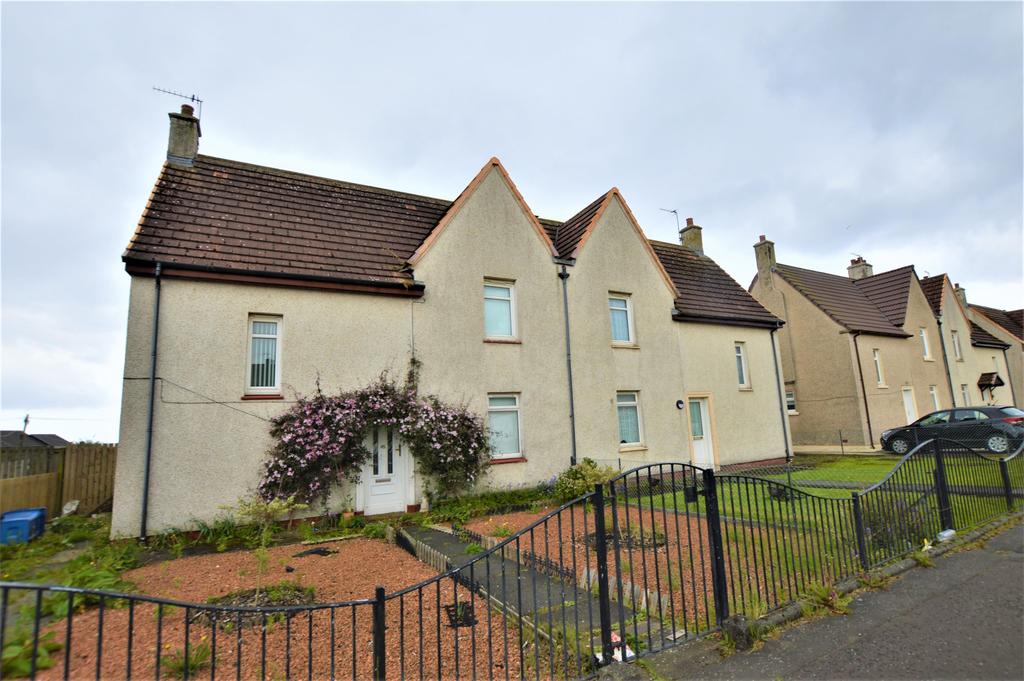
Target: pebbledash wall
[(209, 443)]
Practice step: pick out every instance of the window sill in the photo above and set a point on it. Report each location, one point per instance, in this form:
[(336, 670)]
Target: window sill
[(883, 386), (625, 346), (633, 448), (262, 397), (793, 413), (513, 459), (929, 359), (746, 389), (503, 341)]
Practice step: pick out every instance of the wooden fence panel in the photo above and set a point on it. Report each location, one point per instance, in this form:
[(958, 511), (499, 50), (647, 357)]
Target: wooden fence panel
[(16, 462), (31, 491), (89, 475)]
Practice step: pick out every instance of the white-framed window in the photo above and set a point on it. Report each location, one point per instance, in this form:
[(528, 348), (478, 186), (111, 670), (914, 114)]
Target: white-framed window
[(504, 424), (925, 348), (879, 373), (627, 404), (499, 309), (791, 401), (965, 395), (742, 373), (263, 372), (935, 397), (620, 307), (957, 352)]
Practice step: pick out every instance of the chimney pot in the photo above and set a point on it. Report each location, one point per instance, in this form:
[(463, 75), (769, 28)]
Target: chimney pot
[(187, 110), (761, 238), (859, 268), (689, 222)]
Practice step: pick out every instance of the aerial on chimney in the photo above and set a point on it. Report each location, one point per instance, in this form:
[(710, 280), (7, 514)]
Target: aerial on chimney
[(859, 268), (183, 141), (690, 237)]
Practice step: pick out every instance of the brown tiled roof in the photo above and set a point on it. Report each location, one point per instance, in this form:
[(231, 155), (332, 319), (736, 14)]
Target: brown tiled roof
[(838, 297), (889, 291), (706, 292), (1011, 321), (932, 287), (990, 379), (983, 339), (239, 217), (569, 233)]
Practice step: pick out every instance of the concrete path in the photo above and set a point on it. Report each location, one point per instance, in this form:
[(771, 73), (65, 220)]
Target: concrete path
[(963, 619)]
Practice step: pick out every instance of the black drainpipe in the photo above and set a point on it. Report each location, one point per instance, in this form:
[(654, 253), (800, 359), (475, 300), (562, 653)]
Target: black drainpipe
[(563, 274), (945, 361), (863, 390), (782, 399), (1009, 378), (149, 418)]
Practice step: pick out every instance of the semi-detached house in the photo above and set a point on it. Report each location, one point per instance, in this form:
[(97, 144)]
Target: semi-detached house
[(250, 284)]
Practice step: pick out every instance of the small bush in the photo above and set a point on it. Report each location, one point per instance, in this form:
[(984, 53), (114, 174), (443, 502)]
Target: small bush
[(177, 662), (474, 549), (462, 509), (501, 531), (819, 597), (581, 479), (376, 531), (17, 653)]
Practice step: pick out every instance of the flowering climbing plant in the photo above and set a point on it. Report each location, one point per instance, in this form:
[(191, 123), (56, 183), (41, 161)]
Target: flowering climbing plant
[(320, 441)]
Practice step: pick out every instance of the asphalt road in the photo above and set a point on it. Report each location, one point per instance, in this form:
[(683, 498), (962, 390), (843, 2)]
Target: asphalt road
[(963, 619)]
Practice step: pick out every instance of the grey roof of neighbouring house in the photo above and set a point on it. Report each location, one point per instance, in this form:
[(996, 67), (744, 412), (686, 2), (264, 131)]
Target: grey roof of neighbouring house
[(17, 438), (875, 305)]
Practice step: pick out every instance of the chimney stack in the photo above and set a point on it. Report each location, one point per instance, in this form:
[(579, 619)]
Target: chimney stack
[(690, 237), (183, 142), (764, 254), (961, 293), (860, 268)]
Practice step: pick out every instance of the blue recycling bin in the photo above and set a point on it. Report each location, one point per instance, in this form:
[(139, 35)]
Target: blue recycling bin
[(22, 525)]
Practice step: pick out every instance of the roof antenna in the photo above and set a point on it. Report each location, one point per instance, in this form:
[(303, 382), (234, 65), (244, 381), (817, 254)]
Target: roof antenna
[(674, 212), (191, 98)]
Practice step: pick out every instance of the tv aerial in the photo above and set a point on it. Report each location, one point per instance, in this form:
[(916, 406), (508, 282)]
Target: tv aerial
[(192, 98)]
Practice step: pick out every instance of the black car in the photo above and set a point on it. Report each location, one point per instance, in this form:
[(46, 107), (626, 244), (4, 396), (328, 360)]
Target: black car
[(1000, 430)]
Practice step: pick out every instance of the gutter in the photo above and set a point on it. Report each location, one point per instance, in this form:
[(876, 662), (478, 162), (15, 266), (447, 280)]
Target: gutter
[(782, 401), (147, 466), (727, 321), (1009, 378), (863, 390), (563, 274), (945, 361)]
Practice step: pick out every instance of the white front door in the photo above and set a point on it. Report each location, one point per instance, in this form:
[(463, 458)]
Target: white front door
[(384, 478), (700, 433), (908, 405)]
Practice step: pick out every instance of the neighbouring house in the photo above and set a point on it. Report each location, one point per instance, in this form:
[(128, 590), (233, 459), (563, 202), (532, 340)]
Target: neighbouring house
[(860, 353), (251, 285), (19, 438), (1008, 327), (976, 361)]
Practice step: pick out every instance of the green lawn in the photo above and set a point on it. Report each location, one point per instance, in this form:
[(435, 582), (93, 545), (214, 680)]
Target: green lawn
[(859, 469)]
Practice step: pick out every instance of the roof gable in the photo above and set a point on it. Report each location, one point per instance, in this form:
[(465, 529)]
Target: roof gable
[(840, 299), (933, 288), (706, 292), (981, 338), (889, 291), (1011, 322), (571, 234), (495, 165)]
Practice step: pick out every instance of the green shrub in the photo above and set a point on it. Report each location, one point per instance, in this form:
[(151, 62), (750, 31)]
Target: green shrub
[(473, 549), (177, 662), (501, 531), (462, 509), (17, 652), (375, 531), (581, 479)]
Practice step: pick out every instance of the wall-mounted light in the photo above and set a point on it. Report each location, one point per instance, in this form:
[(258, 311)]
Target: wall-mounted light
[(680, 404)]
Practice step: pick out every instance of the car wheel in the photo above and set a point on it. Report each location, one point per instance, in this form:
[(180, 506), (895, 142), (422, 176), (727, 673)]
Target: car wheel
[(899, 446), (997, 444)]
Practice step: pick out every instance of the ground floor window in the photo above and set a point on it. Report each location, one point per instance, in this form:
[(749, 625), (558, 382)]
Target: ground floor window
[(503, 421), (628, 405)]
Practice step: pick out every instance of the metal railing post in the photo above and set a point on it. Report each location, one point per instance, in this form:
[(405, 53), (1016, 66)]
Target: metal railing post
[(862, 540), (603, 597), (942, 487), (1004, 470), (379, 624), (714, 522)]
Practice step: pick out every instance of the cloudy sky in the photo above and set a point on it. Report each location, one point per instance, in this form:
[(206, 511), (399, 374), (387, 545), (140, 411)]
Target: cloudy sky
[(887, 130)]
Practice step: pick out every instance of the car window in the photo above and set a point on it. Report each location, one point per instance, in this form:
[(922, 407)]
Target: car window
[(934, 419), (1012, 411), (970, 415)]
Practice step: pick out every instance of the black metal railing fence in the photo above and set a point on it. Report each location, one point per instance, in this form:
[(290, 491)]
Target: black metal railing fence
[(658, 555)]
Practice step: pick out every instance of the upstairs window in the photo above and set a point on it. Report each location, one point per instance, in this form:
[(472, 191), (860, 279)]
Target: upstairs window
[(925, 348), (628, 405), (503, 421), (791, 401), (621, 309), (742, 375), (264, 375), (879, 374), (499, 310), (957, 352)]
